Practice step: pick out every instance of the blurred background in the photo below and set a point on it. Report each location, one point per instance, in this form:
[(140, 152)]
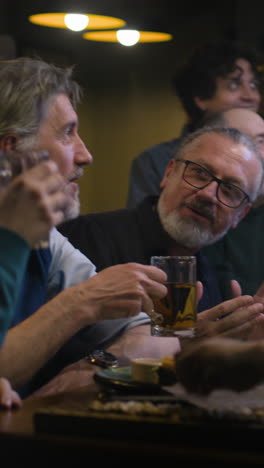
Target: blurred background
[(129, 103)]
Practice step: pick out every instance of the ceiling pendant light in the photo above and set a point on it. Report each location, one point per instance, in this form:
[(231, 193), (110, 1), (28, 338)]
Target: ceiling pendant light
[(60, 20), (127, 37), (76, 22)]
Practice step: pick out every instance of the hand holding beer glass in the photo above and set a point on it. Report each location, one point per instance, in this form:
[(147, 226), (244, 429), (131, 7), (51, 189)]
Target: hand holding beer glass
[(175, 314)]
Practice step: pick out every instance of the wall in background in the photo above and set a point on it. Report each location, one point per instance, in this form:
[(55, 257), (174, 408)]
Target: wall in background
[(118, 126), (129, 106), (128, 102)]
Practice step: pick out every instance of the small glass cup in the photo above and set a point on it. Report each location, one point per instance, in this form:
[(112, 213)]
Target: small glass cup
[(176, 313)]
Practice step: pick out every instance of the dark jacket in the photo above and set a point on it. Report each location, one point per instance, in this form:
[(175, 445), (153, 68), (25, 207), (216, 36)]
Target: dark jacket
[(134, 235)]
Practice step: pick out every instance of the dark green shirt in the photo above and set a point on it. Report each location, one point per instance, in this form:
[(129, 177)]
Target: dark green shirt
[(14, 257)]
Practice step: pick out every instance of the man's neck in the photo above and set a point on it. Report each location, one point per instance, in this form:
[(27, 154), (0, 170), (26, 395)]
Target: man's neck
[(176, 249)]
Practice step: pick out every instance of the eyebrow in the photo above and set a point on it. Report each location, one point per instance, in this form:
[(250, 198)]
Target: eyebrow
[(70, 124), (237, 67), (230, 75), (228, 179)]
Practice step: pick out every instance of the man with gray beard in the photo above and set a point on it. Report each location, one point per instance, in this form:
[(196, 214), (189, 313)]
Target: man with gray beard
[(187, 231), (201, 199)]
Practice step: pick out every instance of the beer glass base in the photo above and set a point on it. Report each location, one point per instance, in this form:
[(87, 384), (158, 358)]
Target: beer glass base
[(156, 330)]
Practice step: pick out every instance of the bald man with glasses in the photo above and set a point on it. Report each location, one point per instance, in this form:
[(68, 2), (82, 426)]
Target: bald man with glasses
[(201, 199)]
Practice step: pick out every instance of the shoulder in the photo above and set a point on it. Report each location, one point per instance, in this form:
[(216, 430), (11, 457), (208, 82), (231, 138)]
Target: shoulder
[(64, 253), (164, 150), (95, 221)]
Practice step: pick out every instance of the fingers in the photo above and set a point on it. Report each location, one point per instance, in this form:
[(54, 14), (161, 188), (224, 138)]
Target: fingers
[(252, 329), (199, 291), (41, 171), (48, 186), (235, 288), (125, 290), (54, 205), (232, 322), (225, 308), (152, 272), (44, 177), (259, 296), (8, 397), (149, 280), (233, 318)]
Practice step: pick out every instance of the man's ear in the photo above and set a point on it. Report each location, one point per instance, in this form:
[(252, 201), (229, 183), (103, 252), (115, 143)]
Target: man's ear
[(169, 169), (241, 215), (8, 142)]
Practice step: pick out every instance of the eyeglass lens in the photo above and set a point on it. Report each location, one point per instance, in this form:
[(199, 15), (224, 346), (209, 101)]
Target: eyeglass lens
[(199, 177)]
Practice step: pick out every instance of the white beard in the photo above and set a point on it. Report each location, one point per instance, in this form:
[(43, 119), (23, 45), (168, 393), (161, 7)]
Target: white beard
[(187, 232), (72, 209)]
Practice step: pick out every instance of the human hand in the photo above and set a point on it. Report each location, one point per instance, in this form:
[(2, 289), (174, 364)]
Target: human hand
[(220, 362), (34, 202), (256, 329), (121, 291), (199, 290), (259, 296), (235, 288), (8, 397), (236, 318), (236, 291)]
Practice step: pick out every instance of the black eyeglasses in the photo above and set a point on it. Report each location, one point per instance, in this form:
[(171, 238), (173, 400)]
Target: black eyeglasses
[(199, 177)]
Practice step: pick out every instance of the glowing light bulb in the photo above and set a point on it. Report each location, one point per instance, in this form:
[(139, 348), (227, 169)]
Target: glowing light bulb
[(76, 22), (128, 37)]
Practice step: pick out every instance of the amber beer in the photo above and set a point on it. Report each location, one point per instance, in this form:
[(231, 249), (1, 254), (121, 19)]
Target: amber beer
[(175, 314), (178, 309)]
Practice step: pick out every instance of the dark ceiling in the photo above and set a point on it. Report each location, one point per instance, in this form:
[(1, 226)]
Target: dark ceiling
[(145, 14), (160, 15), (189, 21)]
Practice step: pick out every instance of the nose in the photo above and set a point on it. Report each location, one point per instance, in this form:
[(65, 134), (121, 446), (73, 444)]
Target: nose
[(83, 156), (209, 192), (249, 94)]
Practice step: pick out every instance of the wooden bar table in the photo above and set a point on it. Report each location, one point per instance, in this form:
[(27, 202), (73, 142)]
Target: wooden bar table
[(199, 443)]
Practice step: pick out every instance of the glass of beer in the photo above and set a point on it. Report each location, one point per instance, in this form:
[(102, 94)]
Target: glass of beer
[(175, 314)]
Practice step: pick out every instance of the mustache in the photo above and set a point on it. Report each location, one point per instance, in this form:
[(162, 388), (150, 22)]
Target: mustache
[(76, 174), (205, 210)]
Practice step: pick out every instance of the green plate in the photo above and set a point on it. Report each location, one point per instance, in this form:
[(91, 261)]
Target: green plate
[(121, 378)]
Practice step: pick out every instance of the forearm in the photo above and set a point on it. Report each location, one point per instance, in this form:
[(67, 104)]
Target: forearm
[(29, 345), (137, 342), (33, 342)]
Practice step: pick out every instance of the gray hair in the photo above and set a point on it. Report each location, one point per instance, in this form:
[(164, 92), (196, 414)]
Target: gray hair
[(26, 85), (234, 135)]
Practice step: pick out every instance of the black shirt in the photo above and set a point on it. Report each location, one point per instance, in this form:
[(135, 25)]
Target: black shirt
[(132, 235)]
